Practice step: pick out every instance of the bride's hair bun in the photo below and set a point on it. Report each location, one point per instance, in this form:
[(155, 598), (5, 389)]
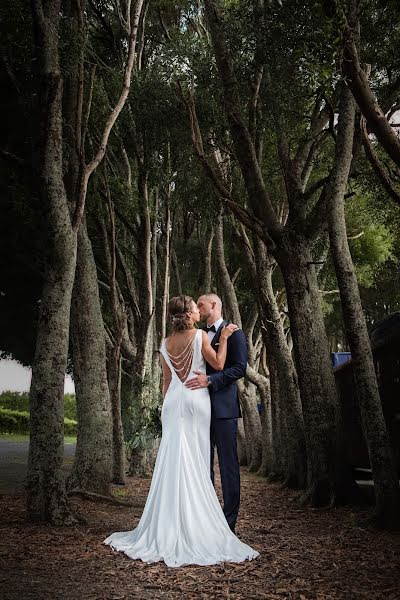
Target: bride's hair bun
[(178, 312)]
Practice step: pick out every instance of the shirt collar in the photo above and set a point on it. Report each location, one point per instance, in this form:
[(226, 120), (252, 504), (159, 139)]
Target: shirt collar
[(217, 324)]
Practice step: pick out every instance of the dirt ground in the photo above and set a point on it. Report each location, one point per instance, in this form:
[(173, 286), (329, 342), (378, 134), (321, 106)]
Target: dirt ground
[(305, 554)]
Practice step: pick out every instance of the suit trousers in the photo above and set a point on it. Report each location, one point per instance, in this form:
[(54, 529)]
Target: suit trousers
[(224, 439)]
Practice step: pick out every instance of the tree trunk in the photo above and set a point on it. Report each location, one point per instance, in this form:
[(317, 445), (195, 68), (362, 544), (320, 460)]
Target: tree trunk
[(177, 274), (266, 429), (45, 485), (144, 386), (114, 382), (241, 444), (207, 263), (278, 471), (247, 390), (167, 268), (263, 387), (46, 499), (314, 370), (92, 468), (380, 454), (287, 386), (252, 424), (286, 404)]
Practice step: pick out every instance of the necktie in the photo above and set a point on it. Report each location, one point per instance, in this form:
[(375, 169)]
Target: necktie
[(212, 328)]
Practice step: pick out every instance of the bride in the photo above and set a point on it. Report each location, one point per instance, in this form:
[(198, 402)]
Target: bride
[(182, 521)]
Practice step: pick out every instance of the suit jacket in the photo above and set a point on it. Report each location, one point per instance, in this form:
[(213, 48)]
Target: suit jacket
[(223, 389)]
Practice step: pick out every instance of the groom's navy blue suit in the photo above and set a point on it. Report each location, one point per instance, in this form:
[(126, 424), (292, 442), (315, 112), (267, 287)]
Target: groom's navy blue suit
[(225, 411)]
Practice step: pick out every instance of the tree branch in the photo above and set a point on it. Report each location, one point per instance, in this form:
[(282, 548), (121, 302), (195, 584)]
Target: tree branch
[(245, 150), (368, 104), (377, 165), (213, 172), (88, 170)]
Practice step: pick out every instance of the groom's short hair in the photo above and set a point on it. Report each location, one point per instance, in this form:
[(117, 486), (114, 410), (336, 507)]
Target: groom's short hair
[(214, 298)]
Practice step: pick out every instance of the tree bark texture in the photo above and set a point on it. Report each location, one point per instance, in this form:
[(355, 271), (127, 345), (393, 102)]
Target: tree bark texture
[(92, 468), (241, 444), (365, 98), (279, 467), (45, 486), (114, 382), (380, 454), (266, 429), (288, 389), (314, 370), (247, 390), (293, 253), (252, 424)]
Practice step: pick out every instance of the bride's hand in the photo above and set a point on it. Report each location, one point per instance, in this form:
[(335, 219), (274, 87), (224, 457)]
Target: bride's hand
[(228, 330)]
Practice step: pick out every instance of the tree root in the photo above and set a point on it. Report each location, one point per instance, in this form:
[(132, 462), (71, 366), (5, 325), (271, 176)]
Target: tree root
[(100, 497)]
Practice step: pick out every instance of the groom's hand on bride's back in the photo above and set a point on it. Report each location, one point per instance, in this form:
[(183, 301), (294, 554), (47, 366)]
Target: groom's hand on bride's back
[(198, 382)]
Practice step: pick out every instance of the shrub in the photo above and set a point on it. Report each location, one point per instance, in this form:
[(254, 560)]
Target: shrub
[(15, 401), (20, 401), (70, 406), (14, 421), (69, 426)]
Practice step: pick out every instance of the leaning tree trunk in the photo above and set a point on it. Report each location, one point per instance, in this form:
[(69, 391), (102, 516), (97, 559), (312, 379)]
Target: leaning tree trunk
[(386, 484), (266, 429), (114, 382), (293, 252), (144, 386), (314, 370), (167, 266), (46, 498), (287, 389), (45, 486), (263, 387), (207, 254), (279, 468), (92, 468), (241, 444), (286, 403), (252, 424), (247, 391), (119, 317)]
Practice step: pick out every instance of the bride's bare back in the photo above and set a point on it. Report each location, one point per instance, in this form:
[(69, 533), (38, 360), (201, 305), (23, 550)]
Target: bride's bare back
[(180, 346)]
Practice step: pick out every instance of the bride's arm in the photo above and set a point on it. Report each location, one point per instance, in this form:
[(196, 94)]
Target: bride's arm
[(217, 359), (167, 376)]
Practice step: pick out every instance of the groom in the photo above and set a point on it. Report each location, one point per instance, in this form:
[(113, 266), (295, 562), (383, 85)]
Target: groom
[(225, 409)]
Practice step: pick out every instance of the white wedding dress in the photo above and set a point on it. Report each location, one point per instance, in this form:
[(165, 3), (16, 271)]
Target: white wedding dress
[(182, 522)]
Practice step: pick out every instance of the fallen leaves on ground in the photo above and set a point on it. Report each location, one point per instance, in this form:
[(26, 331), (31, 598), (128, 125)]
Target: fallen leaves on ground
[(305, 554)]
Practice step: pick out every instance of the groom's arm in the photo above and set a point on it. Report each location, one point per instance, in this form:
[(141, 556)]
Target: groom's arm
[(237, 349)]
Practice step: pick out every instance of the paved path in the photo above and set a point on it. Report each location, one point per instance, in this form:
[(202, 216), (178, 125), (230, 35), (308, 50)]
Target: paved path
[(14, 462)]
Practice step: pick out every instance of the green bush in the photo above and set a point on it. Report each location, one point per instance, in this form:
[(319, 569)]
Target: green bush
[(15, 401), (14, 421), (69, 426), (70, 406), (20, 401)]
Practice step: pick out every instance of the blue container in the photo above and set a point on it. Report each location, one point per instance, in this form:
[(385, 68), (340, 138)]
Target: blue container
[(340, 358)]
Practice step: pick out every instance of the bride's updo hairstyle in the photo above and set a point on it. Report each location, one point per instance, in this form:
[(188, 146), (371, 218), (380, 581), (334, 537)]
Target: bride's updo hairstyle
[(178, 309)]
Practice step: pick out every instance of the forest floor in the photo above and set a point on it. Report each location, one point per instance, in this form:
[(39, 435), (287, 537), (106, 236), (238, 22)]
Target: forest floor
[(305, 554)]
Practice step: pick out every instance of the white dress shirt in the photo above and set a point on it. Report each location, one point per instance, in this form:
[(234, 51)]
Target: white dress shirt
[(217, 324)]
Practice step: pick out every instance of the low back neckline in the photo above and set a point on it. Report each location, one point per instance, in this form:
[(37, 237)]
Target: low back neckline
[(183, 362)]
